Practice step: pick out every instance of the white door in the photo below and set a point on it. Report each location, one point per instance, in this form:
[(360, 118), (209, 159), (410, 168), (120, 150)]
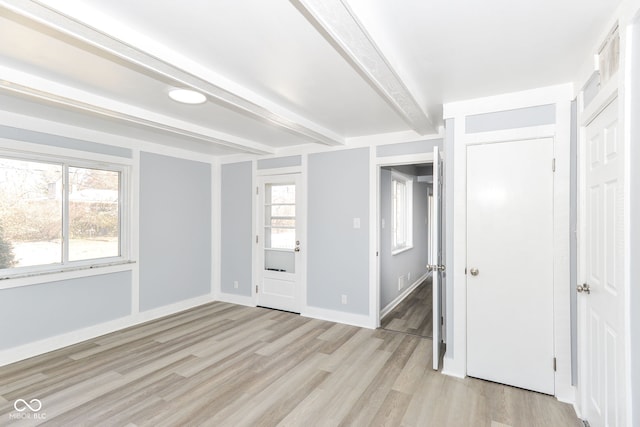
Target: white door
[(435, 255), (601, 321), (279, 231), (510, 263)]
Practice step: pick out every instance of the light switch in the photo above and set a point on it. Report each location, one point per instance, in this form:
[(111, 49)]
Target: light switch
[(356, 222)]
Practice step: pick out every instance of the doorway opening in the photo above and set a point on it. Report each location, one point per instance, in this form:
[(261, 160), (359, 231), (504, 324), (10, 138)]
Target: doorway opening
[(405, 200), (407, 228)]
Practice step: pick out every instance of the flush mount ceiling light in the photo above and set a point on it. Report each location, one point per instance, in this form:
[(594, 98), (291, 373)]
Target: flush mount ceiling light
[(187, 96)]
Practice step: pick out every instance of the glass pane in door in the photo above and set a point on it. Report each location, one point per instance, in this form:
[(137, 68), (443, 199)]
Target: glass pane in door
[(280, 227)]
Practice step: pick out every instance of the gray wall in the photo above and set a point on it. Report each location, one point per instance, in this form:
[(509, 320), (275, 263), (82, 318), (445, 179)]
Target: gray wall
[(416, 147), (279, 162), (31, 313), (62, 142), (511, 119), (175, 230), (338, 254), (413, 261), (236, 239)]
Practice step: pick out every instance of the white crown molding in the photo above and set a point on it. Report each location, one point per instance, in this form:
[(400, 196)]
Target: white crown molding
[(344, 31), (160, 62)]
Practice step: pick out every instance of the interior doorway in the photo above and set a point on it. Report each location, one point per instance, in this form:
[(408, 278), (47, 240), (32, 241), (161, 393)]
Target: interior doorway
[(405, 202)]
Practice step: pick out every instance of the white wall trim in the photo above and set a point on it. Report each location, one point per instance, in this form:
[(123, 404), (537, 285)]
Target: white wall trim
[(216, 229), (370, 141), (510, 101), (393, 304), (360, 320), (54, 343), (237, 299)]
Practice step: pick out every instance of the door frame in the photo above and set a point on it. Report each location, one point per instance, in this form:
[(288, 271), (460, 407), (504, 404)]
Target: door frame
[(379, 163), (560, 96), (302, 221), (608, 94)]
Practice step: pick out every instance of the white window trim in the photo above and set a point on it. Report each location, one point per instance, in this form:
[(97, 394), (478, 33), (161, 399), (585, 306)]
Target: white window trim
[(408, 245), (96, 161)]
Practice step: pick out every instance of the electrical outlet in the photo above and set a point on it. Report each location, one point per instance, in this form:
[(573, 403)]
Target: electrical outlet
[(235, 284), (344, 299)]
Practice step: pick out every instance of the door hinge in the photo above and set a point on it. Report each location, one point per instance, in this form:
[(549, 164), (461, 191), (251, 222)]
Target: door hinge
[(553, 165), (257, 190), (256, 289), (256, 238), (441, 321), (555, 365), (376, 253), (465, 270)]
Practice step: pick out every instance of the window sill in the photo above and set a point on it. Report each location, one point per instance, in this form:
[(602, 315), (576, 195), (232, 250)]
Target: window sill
[(63, 273), (401, 250)]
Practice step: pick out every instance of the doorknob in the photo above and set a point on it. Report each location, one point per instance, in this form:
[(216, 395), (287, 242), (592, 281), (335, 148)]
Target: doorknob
[(297, 248), (440, 267), (584, 288), (430, 267), (474, 271)]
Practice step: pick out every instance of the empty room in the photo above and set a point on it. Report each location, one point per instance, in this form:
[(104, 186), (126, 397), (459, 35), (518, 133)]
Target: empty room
[(320, 212)]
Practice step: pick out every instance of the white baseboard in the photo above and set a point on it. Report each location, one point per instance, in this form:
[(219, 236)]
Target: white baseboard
[(451, 368), (360, 320), (46, 345), (236, 299), (403, 295)]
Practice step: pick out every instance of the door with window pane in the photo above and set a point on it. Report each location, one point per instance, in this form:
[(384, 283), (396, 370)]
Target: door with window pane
[(279, 233)]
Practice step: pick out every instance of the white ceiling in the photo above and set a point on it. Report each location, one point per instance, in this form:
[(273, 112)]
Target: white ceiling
[(281, 73)]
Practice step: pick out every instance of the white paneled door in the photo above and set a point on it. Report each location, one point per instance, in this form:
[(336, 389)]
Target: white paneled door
[(279, 232), (510, 263), (601, 296)]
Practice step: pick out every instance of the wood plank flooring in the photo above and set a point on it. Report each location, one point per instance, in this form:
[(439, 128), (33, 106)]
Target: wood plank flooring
[(227, 365), (414, 314)]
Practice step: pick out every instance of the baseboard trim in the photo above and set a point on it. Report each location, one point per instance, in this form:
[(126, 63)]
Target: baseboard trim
[(57, 342), (360, 320), (393, 304), (236, 299)]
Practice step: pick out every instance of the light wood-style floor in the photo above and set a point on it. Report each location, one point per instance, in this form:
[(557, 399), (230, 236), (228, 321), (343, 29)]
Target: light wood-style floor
[(227, 365), (414, 314)]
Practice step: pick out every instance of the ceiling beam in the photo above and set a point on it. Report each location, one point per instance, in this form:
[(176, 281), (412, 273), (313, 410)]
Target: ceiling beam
[(34, 87), (248, 103), (339, 25)]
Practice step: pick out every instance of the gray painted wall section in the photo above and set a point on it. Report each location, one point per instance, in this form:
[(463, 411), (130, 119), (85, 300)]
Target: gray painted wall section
[(511, 119), (573, 241), (413, 261), (62, 142), (447, 250), (236, 238), (338, 254), (32, 313), (279, 162), (416, 147), (175, 230)]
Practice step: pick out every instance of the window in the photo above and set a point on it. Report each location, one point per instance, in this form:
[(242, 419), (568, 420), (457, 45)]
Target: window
[(401, 212), (56, 212), (280, 220)]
